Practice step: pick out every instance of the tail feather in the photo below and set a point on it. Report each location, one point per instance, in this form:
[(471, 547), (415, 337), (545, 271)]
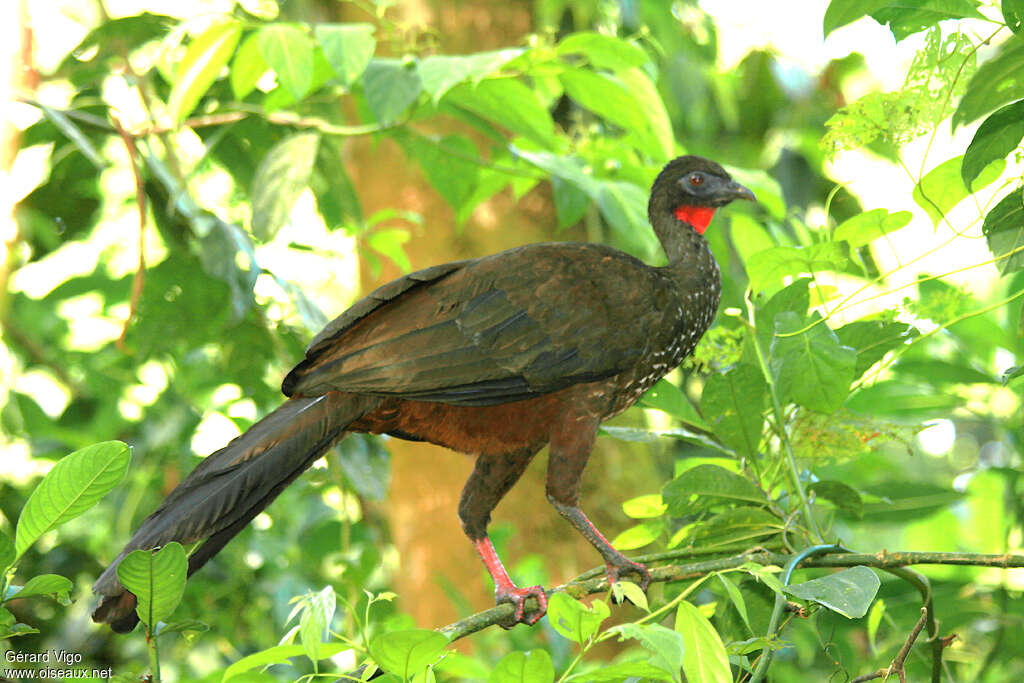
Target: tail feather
[(230, 487)]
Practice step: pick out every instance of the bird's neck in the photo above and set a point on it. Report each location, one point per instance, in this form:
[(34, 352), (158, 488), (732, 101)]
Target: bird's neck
[(681, 233)]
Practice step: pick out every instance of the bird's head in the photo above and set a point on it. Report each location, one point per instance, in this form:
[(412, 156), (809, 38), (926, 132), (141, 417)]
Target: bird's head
[(690, 189)]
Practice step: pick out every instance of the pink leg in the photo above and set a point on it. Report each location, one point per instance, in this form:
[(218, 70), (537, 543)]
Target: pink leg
[(506, 591)]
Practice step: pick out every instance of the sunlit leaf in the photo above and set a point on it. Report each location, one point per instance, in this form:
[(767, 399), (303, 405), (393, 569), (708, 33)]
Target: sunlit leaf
[(667, 397), (708, 481), (573, 619), (347, 47), (603, 51), (157, 578), (288, 50), (996, 137), (666, 647), (1004, 230), (204, 59), (533, 666), (704, 658), (407, 653), (282, 176), (997, 81), (810, 366), (848, 592), (391, 86), (866, 227)]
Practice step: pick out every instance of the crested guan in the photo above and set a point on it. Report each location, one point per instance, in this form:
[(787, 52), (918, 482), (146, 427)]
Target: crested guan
[(497, 357)]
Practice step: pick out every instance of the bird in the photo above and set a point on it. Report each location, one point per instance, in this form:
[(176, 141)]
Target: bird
[(498, 357)]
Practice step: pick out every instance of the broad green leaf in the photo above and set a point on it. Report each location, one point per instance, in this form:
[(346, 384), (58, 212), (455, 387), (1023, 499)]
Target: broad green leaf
[(766, 575), (901, 401), (997, 81), (667, 647), (626, 671), (648, 100), (638, 536), (772, 265), (1004, 231), (732, 402), (570, 202), (839, 13), (705, 481), (389, 242), (448, 167), (624, 206), (603, 51), (282, 176), (1011, 374), (841, 495), (997, 136), (315, 622), (644, 507), (848, 592), (875, 620), (336, 197), (441, 73), (407, 653), (866, 227), (667, 397), (906, 18), (509, 104), (705, 658), (739, 526), (872, 339), (7, 552), (288, 50), (573, 619), (1013, 15), (81, 141), (627, 590), (347, 47), (278, 654), (943, 187), (736, 597), (390, 87), (533, 666), (936, 371), (157, 578), (607, 97), (811, 368), (53, 585), (73, 486), (247, 67), (204, 59), (794, 298), (903, 501)]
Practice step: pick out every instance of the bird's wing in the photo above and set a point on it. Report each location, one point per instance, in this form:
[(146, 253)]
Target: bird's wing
[(503, 328)]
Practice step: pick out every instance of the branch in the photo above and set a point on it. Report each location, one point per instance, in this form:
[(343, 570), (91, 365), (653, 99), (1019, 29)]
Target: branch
[(677, 572), (897, 664)]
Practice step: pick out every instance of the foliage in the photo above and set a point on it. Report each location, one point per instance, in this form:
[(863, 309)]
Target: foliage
[(797, 419)]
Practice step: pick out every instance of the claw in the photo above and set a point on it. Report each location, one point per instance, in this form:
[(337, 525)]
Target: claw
[(615, 570), (518, 597)]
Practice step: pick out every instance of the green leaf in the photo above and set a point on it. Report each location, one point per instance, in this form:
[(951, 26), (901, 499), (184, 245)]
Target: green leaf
[(314, 624), (624, 206), (898, 400), (811, 368), (390, 87), (705, 658), (627, 590), (772, 265), (53, 585), (943, 187), (906, 18), (648, 100), (157, 578), (872, 339), (704, 481), (7, 552), (736, 597), (335, 194), (288, 50), (866, 227), (841, 495), (734, 527), (732, 402), (875, 620), (638, 536), (407, 653), (842, 12), (644, 507), (366, 465), (795, 298), (939, 372), (627, 671), (348, 48), (607, 97), (573, 619), (282, 176), (603, 51), (668, 398), (73, 486), (533, 666), (995, 138), (997, 81), (441, 73), (667, 647), (508, 103), (446, 165), (389, 242), (848, 592), (1004, 231), (278, 654), (570, 202), (247, 67), (1013, 15), (204, 59)]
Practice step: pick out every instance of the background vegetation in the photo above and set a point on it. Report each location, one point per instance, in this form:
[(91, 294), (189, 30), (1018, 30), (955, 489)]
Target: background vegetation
[(199, 188)]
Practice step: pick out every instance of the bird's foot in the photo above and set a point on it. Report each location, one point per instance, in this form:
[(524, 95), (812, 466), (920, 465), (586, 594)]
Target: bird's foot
[(518, 597), (621, 565)]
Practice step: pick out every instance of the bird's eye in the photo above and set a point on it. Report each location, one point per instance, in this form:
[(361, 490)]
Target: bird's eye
[(696, 179)]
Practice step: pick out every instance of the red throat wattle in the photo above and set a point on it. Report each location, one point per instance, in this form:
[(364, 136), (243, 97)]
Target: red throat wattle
[(696, 216)]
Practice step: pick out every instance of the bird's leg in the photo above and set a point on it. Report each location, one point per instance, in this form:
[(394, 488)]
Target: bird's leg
[(491, 479), (568, 455)]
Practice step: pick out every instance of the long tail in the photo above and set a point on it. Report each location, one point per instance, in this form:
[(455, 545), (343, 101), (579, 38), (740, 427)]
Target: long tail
[(230, 487)]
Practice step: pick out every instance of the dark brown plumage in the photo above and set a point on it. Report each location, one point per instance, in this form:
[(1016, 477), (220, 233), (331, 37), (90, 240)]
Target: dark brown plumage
[(497, 356)]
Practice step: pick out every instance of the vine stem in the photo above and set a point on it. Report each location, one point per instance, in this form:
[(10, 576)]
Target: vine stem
[(779, 418)]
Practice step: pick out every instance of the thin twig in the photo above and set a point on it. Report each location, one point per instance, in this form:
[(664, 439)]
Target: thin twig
[(897, 666)]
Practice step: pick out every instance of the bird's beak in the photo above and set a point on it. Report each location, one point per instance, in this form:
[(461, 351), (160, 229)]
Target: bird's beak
[(737, 191)]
